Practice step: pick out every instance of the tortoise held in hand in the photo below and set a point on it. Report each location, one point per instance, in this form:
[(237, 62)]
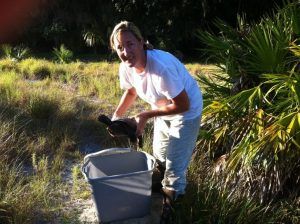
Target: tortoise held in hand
[(122, 127)]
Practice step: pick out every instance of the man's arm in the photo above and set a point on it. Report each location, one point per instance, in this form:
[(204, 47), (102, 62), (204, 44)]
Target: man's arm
[(126, 101), (179, 104)]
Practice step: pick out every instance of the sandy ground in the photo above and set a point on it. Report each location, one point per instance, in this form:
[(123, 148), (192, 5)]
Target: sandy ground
[(89, 215)]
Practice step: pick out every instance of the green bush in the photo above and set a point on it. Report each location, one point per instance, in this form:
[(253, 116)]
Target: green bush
[(16, 53), (253, 117), (62, 54)]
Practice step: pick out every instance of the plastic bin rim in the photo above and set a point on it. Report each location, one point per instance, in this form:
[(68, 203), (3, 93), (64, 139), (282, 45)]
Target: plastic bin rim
[(115, 176), (115, 151), (109, 151)]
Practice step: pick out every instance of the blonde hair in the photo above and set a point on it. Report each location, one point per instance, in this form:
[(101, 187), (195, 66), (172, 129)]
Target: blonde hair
[(130, 27)]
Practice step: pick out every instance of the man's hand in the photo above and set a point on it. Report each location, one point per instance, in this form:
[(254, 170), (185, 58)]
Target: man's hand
[(179, 104), (141, 120)]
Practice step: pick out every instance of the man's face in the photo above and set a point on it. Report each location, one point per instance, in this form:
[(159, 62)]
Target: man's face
[(129, 49)]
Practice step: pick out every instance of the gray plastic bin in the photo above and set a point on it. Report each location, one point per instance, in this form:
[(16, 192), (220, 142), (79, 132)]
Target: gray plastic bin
[(120, 179)]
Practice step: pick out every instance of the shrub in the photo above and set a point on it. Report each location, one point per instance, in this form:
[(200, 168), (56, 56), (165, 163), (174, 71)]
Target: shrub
[(16, 53), (253, 119), (62, 55)]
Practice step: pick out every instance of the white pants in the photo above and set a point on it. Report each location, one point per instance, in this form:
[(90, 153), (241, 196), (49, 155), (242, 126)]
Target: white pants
[(173, 144)]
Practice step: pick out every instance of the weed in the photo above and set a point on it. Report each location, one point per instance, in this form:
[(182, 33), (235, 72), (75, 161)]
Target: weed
[(43, 122), (15, 53), (41, 107), (8, 87), (8, 64), (62, 54), (36, 69)]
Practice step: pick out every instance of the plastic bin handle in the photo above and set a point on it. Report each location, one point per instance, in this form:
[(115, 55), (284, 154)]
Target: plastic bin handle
[(108, 152)]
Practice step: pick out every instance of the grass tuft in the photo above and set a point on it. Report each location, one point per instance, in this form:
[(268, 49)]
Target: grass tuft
[(41, 107)]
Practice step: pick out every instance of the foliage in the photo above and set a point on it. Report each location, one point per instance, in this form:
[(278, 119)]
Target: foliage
[(50, 119), (253, 119), (92, 37), (7, 65), (40, 69), (41, 122), (247, 52), (16, 185), (42, 107), (205, 203), (9, 92), (62, 55), (172, 24), (16, 52)]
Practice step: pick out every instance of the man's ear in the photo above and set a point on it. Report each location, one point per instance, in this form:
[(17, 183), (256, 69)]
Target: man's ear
[(142, 42)]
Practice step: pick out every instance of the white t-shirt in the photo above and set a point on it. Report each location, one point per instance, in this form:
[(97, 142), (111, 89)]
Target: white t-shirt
[(163, 79)]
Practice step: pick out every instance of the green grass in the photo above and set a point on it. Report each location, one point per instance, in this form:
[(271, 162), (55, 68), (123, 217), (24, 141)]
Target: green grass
[(8, 65), (8, 87), (47, 110)]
